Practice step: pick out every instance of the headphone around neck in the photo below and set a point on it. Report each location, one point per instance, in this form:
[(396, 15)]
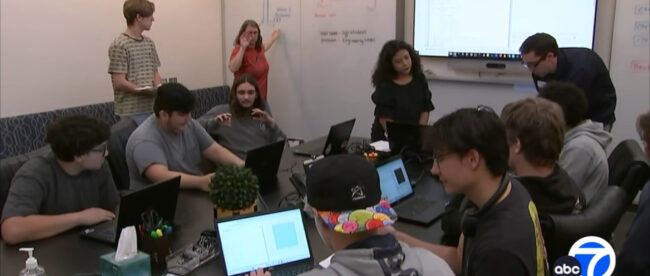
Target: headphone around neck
[(471, 216)]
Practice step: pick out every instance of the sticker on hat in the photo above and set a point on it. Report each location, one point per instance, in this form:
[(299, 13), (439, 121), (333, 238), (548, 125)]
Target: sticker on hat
[(360, 220)]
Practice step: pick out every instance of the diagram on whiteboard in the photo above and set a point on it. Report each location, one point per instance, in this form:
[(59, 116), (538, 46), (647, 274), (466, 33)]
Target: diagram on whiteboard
[(274, 16), (327, 8)]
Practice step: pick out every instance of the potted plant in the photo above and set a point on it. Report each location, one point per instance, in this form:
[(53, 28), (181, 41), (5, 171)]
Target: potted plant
[(233, 190)]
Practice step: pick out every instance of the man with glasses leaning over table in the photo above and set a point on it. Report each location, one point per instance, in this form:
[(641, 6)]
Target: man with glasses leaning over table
[(580, 66), (72, 187)]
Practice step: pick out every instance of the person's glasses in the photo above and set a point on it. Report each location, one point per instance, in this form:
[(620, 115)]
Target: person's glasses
[(437, 158), (531, 65), (103, 150)]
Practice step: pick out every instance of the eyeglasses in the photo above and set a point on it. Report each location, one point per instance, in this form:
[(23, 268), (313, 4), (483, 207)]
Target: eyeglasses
[(532, 65), (439, 157), (103, 150)]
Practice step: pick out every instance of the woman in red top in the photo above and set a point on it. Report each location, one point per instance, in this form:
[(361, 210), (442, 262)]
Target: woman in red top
[(252, 60)]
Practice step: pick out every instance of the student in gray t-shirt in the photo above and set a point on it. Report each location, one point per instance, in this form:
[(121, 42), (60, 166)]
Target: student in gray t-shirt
[(71, 187), (170, 143), (245, 123)]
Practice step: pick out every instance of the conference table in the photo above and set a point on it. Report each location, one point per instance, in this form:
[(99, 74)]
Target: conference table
[(70, 254)]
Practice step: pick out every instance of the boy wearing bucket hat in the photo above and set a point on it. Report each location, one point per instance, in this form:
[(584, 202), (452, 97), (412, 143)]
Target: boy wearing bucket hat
[(343, 191)]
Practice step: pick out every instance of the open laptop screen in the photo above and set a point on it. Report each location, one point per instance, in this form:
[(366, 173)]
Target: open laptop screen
[(263, 241), (393, 180)]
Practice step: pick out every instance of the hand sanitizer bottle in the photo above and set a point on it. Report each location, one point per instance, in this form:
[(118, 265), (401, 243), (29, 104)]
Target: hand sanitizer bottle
[(31, 265)]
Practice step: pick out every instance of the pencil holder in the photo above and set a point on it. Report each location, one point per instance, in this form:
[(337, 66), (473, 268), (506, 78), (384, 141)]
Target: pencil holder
[(157, 247)]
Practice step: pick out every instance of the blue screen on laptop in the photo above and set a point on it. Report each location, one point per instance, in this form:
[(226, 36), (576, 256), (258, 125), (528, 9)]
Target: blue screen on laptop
[(263, 241), (393, 180)]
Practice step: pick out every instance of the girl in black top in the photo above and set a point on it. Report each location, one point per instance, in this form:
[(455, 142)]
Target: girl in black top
[(401, 90)]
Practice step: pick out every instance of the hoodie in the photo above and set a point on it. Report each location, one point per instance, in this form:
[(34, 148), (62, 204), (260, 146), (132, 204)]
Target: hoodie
[(383, 255), (583, 157)]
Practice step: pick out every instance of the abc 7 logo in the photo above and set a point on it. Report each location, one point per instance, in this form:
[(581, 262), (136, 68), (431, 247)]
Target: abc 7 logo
[(567, 265), (589, 256)]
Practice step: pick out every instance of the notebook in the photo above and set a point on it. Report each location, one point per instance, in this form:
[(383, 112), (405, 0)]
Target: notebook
[(275, 241), (397, 190), (161, 197)]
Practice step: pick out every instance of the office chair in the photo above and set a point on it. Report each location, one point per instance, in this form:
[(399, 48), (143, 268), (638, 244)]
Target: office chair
[(600, 219), (628, 167), (120, 133)]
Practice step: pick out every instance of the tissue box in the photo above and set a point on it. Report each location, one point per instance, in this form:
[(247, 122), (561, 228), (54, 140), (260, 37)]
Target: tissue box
[(138, 265)]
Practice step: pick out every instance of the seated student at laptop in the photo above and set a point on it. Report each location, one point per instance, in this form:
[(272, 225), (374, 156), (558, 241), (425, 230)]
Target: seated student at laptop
[(347, 186), (401, 91), (501, 231), (583, 155), (535, 131), (71, 187), (245, 123), (171, 143)]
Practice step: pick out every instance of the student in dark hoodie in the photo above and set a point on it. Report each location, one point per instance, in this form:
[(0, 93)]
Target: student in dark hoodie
[(343, 191), (535, 130), (583, 155)]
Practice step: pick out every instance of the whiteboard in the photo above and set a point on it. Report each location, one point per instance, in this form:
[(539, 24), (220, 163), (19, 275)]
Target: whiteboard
[(320, 67), (630, 65)]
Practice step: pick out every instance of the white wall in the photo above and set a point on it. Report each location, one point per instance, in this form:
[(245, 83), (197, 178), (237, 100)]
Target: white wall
[(54, 53)]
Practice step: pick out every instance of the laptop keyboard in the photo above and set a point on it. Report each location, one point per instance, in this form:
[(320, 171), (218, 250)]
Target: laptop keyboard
[(292, 270), (415, 205)]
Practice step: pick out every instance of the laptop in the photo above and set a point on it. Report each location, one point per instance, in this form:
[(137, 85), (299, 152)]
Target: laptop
[(397, 190), (161, 197), (299, 180), (275, 241), (336, 143), (404, 136), (265, 162)]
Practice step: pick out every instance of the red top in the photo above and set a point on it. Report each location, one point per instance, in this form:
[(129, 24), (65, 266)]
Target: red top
[(255, 64)]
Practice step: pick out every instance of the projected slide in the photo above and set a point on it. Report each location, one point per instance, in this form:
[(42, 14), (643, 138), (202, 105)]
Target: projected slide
[(263, 241), (496, 28)]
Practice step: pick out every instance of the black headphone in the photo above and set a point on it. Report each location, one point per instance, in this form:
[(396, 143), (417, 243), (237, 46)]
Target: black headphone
[(471, 216)]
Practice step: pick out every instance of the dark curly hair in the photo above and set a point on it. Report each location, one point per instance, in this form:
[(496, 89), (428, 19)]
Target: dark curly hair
[(571, 99), (384, 71), (242, 29), (75, 135)]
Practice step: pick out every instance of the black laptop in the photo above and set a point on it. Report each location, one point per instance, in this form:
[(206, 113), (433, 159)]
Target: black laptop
[(405, 137), (160, 197), (275, 241), (396, 189), (336, 143), (264, 162)]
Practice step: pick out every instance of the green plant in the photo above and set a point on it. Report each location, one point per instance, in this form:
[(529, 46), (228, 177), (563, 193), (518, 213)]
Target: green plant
[(233, 187)]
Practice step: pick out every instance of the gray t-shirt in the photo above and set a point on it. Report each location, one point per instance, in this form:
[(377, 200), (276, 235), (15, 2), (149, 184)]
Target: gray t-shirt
[(41, 186), (149, 144), (244, 133)]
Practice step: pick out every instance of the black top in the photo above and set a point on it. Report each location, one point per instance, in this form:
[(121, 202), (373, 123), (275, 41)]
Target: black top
[(508, 239), (554, 194), (584, 68), (401, 103)]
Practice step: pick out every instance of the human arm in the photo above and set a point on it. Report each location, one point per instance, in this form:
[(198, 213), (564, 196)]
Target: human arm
[(424, 118), (259, 272), (120, 83), (157, 80), (159, 172), (384, 106), (218, 154), (274, 37), (18, 229), (237, 55)]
